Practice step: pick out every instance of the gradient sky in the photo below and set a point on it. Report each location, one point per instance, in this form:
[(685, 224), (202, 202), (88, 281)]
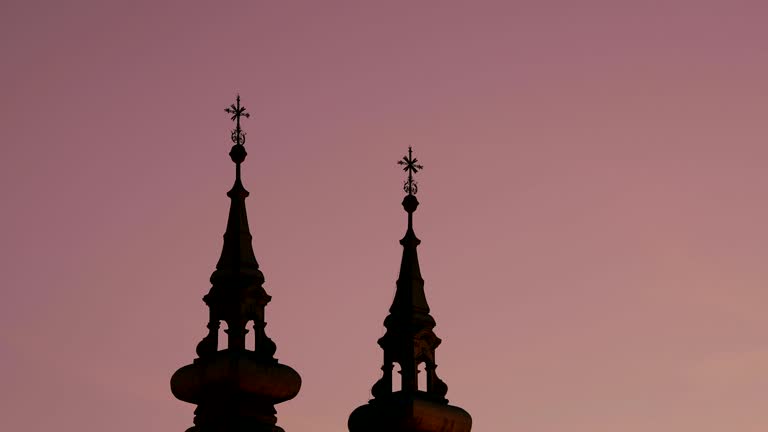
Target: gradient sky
[(594, 204)]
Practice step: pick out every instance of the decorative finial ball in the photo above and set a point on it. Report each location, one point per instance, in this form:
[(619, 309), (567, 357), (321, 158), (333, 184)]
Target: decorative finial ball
[(238, 153), (410, 203)]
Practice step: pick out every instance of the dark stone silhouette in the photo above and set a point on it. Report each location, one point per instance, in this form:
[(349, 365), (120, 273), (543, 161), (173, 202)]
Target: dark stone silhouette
[(236, 389), (409, 341)]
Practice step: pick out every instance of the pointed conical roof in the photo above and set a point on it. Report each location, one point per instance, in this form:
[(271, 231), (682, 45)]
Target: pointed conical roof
[(237, 260), (409, 297)]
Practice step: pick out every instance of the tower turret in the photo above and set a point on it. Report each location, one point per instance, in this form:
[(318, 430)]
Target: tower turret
[(409, 342), (236, 389)]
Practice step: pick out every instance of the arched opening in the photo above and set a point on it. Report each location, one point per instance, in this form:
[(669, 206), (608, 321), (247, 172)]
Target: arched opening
[(421, 375), (223, 339), (397, 379), (250, 339)]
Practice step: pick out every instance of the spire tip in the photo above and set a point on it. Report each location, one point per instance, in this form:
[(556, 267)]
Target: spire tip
[(237, 111), (411, 167)]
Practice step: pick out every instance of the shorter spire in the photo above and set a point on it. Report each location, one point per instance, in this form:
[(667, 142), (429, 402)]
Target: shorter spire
[(410, 343), (409, 321)]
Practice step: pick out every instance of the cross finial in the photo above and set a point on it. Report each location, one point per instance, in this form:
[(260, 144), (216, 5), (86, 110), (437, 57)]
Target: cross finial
[(410, 165), (238, 136)]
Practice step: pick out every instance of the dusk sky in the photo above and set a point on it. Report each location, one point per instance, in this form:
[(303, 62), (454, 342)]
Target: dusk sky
[(594, 204)]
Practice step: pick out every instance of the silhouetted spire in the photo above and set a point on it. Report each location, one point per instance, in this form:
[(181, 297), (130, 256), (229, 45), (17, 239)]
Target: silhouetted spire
[(237, 259), (410, 302), (409, 341), (235, 389)]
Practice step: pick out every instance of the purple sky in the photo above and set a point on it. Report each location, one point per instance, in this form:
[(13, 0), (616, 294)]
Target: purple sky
[(594, 204)]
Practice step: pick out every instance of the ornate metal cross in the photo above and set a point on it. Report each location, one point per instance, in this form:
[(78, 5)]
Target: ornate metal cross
[(410, 165), (238, 136)]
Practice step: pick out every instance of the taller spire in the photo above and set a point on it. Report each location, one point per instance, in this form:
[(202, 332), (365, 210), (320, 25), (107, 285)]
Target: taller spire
[(409, 342), (235, 389)]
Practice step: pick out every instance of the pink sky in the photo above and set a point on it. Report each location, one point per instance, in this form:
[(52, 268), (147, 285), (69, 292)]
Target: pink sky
[(594, 204)]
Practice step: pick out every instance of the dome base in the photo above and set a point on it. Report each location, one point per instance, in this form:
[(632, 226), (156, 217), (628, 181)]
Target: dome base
[(234, 392), (408, 413)]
